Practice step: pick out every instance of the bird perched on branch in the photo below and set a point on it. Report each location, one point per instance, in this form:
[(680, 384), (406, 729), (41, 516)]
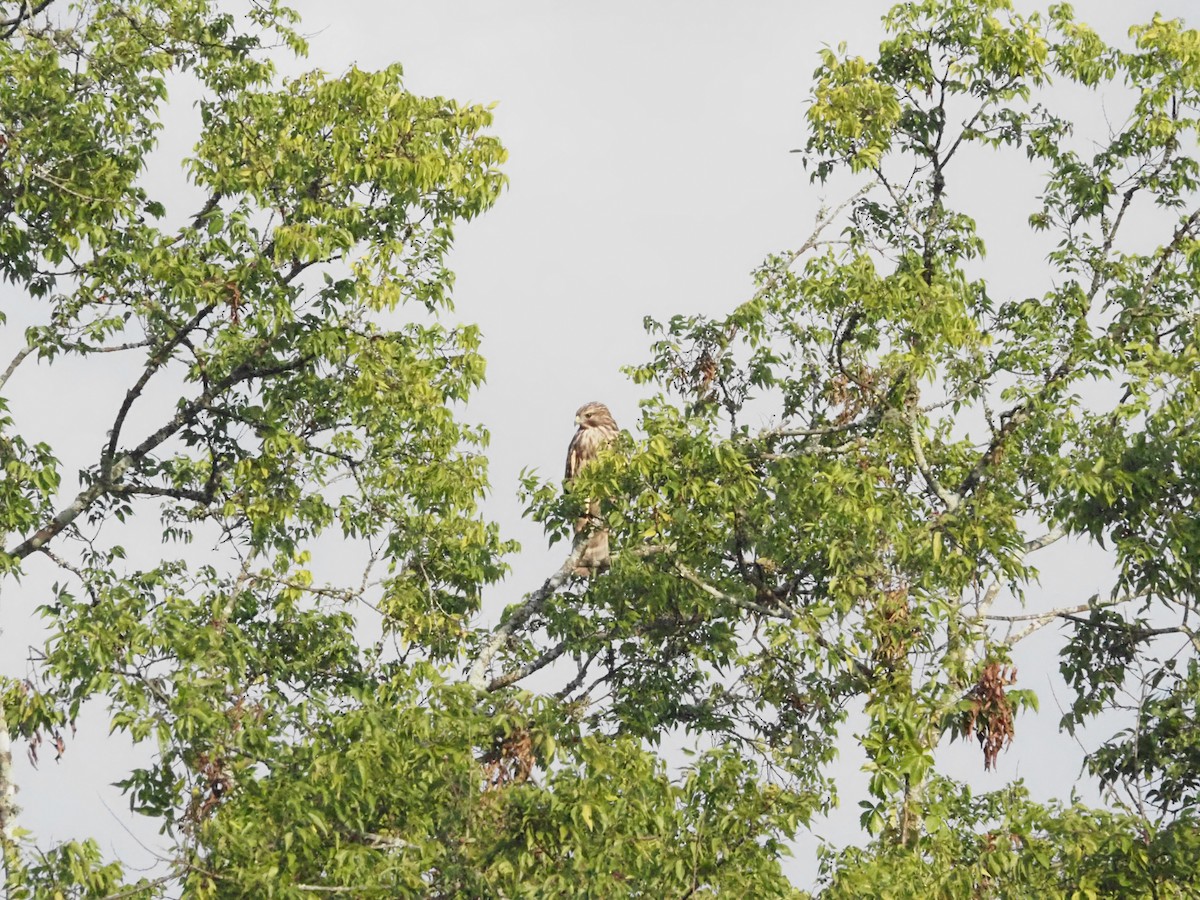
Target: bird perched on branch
[(596, 429)]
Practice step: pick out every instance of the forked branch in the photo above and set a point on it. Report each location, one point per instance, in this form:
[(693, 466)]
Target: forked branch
[(533, 604)]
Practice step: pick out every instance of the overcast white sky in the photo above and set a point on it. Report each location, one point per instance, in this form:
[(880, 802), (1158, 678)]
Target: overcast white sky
[(650, 172)]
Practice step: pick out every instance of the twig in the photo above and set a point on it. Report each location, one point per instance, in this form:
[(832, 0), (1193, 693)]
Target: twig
[(74, 570), (1055, 534)]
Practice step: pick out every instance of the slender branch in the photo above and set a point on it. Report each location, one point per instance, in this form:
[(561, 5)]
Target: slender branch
[(811, 449), (573, 685), (1139, 633), (477, 676), (1048, 614), (150, 490), (1164, 253), (74, 570), (949, 498), (153, 364), (12, 366), (690, 576), (533, 604), (1037, 621), (184, 415), (1031, 546), (784, 431), (115, 348), (824, 218)]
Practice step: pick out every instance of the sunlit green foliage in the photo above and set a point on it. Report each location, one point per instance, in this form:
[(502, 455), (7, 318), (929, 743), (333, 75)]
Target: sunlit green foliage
[(832, 487), (929, 433)]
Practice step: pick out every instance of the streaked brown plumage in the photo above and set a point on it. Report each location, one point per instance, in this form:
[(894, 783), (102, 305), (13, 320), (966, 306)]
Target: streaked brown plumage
[(596, 429)]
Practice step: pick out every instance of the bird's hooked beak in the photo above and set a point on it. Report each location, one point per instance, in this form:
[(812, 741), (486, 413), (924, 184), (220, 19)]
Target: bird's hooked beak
[(578, 420)]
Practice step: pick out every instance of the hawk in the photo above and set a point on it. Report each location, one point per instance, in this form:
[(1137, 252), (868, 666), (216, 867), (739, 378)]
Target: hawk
[(596, 429)]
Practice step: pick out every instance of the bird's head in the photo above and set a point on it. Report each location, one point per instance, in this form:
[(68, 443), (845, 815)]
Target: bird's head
[(592, 415)]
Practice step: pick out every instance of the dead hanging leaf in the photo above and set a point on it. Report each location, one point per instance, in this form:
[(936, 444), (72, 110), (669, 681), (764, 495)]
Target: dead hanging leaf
[(215, 783), (990, 717), (56, 741), (235, 302), (510, 761), (894, 634), (704, 372)]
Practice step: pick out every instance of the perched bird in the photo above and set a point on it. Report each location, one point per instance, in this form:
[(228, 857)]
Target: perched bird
[(596, 429)]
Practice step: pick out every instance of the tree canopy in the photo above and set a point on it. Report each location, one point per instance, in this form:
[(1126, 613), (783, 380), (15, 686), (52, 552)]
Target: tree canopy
[(292, 383)]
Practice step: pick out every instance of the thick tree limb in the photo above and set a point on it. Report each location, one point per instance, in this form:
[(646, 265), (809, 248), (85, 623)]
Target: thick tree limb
[(1052, 536), (540, 662)]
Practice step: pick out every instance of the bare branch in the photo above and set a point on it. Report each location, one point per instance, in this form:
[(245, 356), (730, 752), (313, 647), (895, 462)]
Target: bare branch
[(12, 366), (1031, 546), (153, 364), (575, 682), (949, 498), (115, 348), (1040, 620), (184, 415), (1048, 614), (690, 576), (533, 604), (824, 218)]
